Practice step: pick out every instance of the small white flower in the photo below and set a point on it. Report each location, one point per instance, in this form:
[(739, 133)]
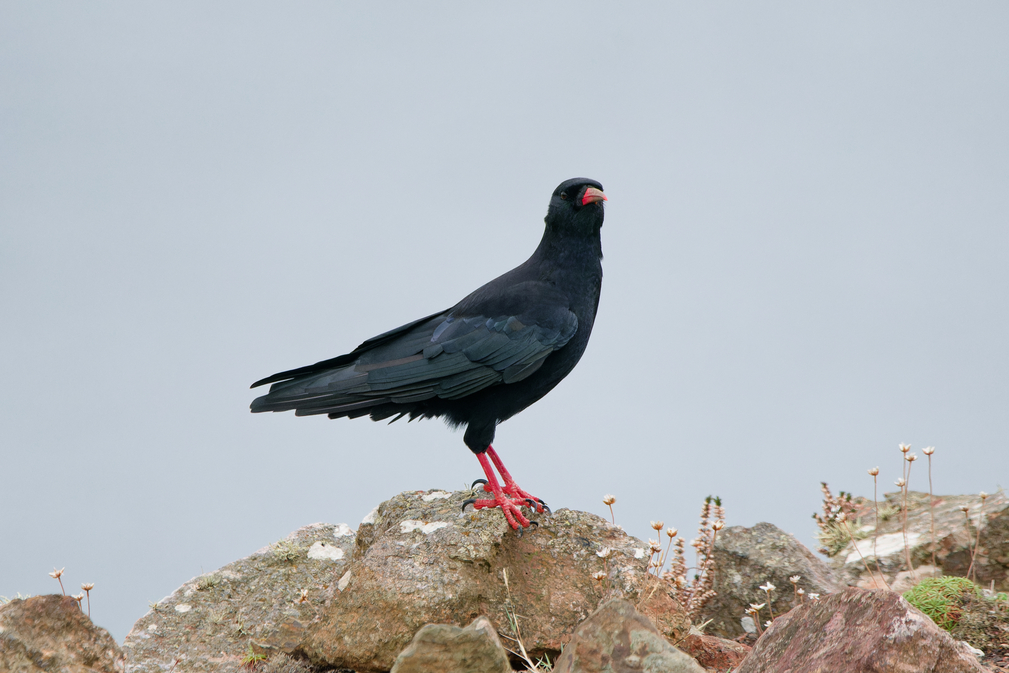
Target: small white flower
[(874, 471), (767, 624), (814, 597), (755, 606), (609, 499), (983, 495), (767, 587), (900, 482), (794, 579), (604, 552), (904, 448), (928, 450)]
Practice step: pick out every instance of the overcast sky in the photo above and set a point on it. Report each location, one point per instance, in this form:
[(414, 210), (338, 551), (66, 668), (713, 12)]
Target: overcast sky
[(807, 259)]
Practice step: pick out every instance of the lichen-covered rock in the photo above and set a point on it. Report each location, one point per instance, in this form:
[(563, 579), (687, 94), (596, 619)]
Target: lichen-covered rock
[(420, 560), (50, 633), (258, 606), (745, 559), (954, 537), (448, 649), (858, 631), (618, 639)]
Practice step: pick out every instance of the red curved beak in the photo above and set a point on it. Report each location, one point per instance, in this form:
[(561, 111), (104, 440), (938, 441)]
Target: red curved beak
[(592, 195)]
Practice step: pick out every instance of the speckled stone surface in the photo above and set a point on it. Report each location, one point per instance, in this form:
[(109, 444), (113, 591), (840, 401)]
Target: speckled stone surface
[(50, 633), (448, 648), (618, 639), (419, 559), (858, 631), (260, 604), (954, 537), (747, 558)]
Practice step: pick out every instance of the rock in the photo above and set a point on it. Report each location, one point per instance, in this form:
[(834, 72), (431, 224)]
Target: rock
[(903, 580), (746, 558), (449, 649), (858, 631), (712, 652), (50, 633), (260, 604), (419, 560), (617, 639), (954, 538)]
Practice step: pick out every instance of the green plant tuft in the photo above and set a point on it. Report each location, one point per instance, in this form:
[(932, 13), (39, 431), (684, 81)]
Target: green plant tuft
[(252, 660), (207, 582), (941, 597)]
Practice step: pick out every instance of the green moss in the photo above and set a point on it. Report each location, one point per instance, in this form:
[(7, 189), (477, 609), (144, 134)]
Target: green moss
[(941, 598)]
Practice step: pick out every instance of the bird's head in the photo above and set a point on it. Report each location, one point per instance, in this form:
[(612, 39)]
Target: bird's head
[(577, 203)]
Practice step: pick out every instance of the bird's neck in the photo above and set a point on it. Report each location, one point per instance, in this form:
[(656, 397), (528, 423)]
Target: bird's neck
[(565, 253)]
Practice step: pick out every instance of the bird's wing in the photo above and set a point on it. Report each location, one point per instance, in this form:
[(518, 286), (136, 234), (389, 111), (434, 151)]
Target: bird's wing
[(448, 356)]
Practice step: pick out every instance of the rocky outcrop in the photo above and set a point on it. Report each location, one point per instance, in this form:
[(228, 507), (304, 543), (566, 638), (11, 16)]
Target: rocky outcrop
[(257, 607), (617, 639), (449, 649), (327, 597), (50, 633), (419, 560), (858, 631), (955, 535), (745, 559)]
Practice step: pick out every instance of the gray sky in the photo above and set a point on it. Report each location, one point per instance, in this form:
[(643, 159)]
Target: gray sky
[(806, 259)]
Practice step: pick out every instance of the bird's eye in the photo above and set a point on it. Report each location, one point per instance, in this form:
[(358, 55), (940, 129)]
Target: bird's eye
[(564, 195)]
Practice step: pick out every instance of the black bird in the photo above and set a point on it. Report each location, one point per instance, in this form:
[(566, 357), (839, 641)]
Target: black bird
[(482, 361)]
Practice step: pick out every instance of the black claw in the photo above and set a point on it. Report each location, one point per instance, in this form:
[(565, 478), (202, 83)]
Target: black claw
[(478, 481), (470, 501), (533, 504)]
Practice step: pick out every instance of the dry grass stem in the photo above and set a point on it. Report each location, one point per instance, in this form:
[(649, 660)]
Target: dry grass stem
[(928, 451), (847, 528), (977, 541), (514, 619)]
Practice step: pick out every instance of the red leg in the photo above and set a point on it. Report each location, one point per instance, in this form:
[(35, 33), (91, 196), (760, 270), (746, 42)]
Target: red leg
[(510, 508), (510, 487)]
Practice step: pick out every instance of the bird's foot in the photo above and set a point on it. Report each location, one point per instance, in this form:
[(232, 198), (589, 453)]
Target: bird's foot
[(512, 489), (511, 508)]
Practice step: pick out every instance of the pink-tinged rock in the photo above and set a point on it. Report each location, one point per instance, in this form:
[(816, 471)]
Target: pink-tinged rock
[(50, 633), (714, 653), (858, 631), (616, 638), (448, 649)]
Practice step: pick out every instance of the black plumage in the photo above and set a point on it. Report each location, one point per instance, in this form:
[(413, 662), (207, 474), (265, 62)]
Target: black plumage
[(485, 359)]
